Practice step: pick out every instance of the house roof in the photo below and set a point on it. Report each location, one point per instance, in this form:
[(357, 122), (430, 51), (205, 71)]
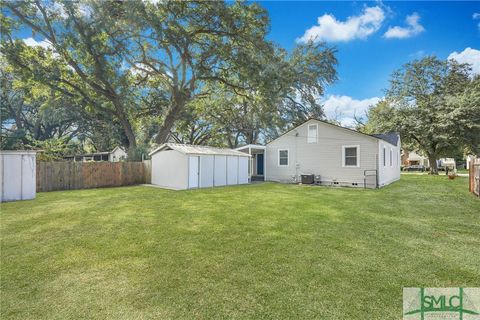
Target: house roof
[(88, 154), (391, 137), (376, 136), (251, 146), (196, 149), (117, 147), (101, 153)]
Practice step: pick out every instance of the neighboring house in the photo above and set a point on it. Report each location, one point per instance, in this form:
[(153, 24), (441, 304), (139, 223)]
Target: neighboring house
[(117, 154), (444, 163), (334, 155), (182, 166), (412, 158)]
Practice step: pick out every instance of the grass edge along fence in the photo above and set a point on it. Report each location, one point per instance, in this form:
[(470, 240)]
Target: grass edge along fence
[(66, 175)]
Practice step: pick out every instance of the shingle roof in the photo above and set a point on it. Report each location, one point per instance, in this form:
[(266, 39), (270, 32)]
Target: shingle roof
[(391, 137), (194, 149)]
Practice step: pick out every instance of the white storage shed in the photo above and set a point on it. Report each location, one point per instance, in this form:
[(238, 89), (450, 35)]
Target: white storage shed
[(17, 175), (181, 166)]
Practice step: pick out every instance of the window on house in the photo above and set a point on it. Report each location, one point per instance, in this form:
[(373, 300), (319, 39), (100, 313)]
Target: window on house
[(384, 156), (350, 156), (283, 158), (391, 157), (312, 133)]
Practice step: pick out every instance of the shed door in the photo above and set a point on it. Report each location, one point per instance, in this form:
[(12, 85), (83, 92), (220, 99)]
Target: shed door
[(243, 170), (220, 168), (232, 170), (206, 171), (193, 173)]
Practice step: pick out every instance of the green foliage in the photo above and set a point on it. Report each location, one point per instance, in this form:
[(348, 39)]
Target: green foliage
[(54, 149), (379, 119), (31, 111), (434, 105), (141, 71)]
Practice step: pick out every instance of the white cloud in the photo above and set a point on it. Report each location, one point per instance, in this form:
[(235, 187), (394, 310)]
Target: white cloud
[(344, 108), (355, 27), (418, 54), (476, 16), (34, 43), (469, 55), (413, 28), (140, 69)]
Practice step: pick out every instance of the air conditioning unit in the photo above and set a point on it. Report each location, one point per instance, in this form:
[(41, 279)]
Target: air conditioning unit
[(308, 178)]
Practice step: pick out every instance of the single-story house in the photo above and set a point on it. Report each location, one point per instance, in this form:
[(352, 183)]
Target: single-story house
[(333, 154), (181, 166), (116, 155), (413, 158)]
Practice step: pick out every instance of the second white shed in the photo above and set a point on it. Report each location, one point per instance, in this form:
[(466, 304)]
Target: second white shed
[(17, 175), (181, 166)]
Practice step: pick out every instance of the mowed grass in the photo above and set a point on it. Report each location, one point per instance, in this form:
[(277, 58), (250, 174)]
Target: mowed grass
[(264, 251)]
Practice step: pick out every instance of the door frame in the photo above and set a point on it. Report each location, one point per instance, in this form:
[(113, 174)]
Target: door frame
[(262, 162), (198, 172)]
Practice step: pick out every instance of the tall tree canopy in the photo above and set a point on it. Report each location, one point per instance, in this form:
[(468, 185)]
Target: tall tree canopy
[(191, 71), (87, 65), (434, 104)]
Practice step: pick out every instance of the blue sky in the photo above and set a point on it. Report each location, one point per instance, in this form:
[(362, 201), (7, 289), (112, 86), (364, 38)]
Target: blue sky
[(367, 51)]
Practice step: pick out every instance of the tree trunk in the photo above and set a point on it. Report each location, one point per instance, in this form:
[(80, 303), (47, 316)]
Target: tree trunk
[(120, 113), (167, 126), (433, 163)]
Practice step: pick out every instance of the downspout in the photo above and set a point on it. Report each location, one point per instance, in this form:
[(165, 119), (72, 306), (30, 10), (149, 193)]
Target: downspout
[(297, 165)]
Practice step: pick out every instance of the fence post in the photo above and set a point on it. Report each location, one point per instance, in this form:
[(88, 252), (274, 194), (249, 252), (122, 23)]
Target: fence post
[(470, 176)]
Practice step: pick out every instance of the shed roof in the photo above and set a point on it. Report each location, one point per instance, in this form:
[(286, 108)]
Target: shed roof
[(19, 152), (195, 149)]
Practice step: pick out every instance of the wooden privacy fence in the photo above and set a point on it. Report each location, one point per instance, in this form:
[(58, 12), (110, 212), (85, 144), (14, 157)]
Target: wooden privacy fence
[(85, 175), (474, 175)]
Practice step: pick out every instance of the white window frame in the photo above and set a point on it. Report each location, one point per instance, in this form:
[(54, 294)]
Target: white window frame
[(384, 156), (391, 157), (288, 158), (358, 156), (314, 139)]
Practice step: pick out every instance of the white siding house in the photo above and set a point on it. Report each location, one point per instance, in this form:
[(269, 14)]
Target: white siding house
[(117, 154), (180, 166), (335, 155)]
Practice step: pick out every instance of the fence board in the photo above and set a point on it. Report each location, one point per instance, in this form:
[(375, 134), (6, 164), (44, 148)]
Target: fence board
[(147, 173), (85, 175), (474, 177)]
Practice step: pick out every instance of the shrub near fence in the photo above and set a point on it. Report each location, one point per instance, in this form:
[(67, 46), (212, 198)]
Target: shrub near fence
[(85, 175)]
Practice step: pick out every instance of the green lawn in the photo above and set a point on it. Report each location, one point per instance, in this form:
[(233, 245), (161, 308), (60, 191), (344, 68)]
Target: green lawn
[(265, 251)]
